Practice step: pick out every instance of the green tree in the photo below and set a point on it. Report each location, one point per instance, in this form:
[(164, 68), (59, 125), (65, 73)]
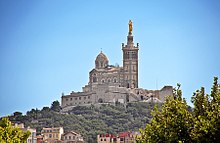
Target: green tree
[(207, 115), (55, 106), (9, 134), (172, 124), (17, 114), (176, 124)]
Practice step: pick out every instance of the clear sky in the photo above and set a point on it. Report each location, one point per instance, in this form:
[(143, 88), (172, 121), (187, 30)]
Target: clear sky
[(49, 46)]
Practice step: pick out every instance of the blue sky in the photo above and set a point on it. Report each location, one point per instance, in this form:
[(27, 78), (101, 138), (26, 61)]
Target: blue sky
[(49, 47)]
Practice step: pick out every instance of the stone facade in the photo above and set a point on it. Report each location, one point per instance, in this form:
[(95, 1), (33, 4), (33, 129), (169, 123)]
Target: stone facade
[(111, 84), (52, 135), (123, 137), (72, 137)]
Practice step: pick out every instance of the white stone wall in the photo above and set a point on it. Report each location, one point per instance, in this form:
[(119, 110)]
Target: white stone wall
[(104, 93), (165, 91), (72, 137)]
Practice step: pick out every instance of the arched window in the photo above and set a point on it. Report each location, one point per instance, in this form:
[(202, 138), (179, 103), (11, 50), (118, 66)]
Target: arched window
[(101, 64), (100, 100), (109, 80), (94, 79), (115, 80)]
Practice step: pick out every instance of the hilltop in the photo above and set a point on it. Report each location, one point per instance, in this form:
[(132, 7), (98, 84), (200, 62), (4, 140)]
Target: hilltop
[(89, 120)]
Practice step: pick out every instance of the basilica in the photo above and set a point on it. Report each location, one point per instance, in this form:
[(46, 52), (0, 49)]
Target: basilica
[(111, 84)]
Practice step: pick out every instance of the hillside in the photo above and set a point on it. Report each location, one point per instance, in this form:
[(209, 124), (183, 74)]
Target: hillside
[(91, 120)]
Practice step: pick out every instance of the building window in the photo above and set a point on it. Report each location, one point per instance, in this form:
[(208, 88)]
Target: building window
[(75, 98), (88, 97), (69, 137), (115, 80), (128, 85), (104, 139), (94, 79), (100, 100), (71, 99), (84, 97), (67, 99), (79, 98), (109, 80)]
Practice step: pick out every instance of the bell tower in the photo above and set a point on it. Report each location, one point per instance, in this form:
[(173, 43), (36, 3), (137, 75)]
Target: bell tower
[(130, 60)]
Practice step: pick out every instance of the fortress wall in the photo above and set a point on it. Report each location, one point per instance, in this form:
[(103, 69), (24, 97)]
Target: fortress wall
[(75, 99), (165, 91)]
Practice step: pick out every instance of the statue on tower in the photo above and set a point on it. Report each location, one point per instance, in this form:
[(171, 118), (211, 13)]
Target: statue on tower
[(130, 27)]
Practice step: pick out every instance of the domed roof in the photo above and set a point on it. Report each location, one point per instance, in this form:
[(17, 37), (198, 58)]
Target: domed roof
[(101, 61), (101, 57)]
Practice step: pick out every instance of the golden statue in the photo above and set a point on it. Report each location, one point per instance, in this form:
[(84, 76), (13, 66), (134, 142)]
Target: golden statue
[(130, 26)]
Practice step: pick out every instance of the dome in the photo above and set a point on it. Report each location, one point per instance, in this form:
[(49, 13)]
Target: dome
[(101, 61), (101, 57)]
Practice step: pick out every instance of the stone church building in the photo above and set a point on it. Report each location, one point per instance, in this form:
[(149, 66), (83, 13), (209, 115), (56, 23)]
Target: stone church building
[(111, 84)]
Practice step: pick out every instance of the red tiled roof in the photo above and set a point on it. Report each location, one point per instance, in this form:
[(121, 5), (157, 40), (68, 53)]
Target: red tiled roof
[(124, 134), (107, 135)]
